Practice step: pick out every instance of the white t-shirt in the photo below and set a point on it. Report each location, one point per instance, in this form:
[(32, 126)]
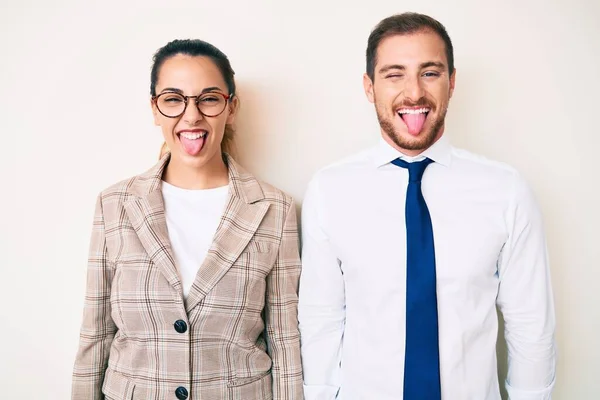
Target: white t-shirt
[(192, 220)]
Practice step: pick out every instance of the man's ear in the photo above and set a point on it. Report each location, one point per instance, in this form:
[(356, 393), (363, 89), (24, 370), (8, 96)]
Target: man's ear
[(452, 82), (368, 86)]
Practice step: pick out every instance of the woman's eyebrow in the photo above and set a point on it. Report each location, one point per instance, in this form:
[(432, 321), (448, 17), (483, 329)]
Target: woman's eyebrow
[(211, 89), (208, 89)]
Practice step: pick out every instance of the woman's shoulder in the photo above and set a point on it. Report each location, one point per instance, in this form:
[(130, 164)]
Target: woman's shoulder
[(253, 188), (274, 194), (133, 187), (120, 188)]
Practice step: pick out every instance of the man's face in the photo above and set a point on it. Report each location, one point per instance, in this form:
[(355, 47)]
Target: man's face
[(411, 89)]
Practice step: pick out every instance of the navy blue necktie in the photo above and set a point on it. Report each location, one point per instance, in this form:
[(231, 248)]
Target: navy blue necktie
[(421, 363)]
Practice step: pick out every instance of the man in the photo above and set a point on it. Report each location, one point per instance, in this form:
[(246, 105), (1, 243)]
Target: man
[(409, 246)]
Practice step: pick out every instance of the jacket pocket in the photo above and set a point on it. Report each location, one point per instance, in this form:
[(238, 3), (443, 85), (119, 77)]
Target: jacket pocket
[(117, 386), (258, 387), (246, 381), (255, 246)]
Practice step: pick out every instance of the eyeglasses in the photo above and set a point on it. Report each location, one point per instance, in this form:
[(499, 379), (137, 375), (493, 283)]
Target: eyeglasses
[(173, 104)]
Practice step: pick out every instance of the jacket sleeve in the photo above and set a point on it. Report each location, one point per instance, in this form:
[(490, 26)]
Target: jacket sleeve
[(281, 314), (98, 328)]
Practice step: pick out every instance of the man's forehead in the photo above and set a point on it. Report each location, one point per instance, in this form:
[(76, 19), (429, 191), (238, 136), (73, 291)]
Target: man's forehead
[(415, 46)]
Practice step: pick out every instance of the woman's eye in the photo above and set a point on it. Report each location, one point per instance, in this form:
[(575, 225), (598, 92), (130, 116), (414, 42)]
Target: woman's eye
[(173, 100)]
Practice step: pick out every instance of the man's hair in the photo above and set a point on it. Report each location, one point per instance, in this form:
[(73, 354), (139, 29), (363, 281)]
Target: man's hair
[(405, 24)]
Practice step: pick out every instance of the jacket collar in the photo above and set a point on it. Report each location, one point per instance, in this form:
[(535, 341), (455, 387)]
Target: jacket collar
[(242, 183)]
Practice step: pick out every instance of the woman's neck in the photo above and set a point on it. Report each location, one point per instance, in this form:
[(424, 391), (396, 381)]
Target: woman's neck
[(211, 175)]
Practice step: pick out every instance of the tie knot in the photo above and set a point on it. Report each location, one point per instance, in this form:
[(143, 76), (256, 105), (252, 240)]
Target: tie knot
[(415, 169)]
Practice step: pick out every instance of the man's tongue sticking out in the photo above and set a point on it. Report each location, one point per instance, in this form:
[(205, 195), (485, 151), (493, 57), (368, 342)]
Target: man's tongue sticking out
[(192, 146), (414, 122)]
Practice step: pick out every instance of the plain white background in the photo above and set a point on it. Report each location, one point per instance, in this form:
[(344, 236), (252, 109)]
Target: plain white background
[(75, 115)]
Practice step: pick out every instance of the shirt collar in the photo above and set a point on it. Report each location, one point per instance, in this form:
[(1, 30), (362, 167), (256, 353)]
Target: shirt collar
[(439, 152)]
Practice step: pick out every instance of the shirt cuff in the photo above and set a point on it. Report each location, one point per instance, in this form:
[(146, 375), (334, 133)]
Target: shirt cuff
[(320, 392), (519, 394)]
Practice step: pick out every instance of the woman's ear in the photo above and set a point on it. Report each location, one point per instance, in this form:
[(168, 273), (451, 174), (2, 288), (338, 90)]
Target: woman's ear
[(154, 112), (233, 107)]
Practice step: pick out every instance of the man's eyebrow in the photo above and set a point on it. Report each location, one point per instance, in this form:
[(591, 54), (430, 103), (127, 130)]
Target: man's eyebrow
[(433, 64), (427, 64), (389, 67)]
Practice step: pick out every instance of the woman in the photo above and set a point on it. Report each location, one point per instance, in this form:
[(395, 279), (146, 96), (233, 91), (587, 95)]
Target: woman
[(194, 264)]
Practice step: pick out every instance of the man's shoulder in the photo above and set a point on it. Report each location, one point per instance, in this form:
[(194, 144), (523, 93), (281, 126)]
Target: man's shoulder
[(340, 179), (477, 160), (490, 173), (479, 164), (347, 166)]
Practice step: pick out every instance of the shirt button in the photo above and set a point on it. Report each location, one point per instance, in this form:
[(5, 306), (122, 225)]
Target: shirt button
[(181, 327), (181, 393)]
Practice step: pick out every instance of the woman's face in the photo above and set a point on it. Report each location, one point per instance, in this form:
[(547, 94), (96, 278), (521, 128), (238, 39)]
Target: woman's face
[(193, 139)]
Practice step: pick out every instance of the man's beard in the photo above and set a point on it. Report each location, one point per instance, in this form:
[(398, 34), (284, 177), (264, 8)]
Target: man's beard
[(425, 138)]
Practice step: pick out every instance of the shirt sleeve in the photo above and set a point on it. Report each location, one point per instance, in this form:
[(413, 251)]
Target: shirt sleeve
[(525, 299), (98, 328), (321, 310)]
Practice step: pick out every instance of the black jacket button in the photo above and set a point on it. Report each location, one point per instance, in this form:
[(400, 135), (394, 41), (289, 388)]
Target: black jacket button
[(181, 393), (181, 327)]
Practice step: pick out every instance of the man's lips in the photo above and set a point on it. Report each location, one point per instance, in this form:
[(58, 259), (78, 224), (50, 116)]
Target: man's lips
[(404, 111), (413, 110), (414, 118)]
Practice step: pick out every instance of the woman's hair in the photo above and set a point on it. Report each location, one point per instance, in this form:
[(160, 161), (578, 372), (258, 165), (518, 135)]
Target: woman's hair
[(196, 47)]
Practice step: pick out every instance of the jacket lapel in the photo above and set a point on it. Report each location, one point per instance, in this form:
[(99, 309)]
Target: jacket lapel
[(242, 216), (146, 212)]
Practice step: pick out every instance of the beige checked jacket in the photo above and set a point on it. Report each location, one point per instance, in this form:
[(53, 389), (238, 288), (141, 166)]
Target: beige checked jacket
[(236, 336)]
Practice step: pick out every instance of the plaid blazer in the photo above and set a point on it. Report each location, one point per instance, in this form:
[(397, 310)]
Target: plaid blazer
[(239, 332)]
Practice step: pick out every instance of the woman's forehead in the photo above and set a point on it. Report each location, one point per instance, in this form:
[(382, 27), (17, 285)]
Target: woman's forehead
[(190, 73)]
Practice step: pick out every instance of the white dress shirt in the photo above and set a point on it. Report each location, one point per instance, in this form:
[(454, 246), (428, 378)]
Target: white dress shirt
[(490, 250)]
